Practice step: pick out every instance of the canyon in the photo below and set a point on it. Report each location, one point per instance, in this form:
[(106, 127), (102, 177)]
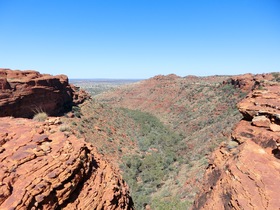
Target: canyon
[(243, 168), (163, 143)]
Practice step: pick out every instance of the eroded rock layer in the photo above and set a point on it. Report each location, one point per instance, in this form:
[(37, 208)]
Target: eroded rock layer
[(245, 174), (24, 93), (44, 168)]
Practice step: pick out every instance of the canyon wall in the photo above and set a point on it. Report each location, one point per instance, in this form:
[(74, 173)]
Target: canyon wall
[(244, 173)]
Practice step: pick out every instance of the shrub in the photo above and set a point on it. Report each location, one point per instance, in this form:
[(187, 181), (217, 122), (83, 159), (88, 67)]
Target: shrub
[(276, 76), (40, 117), (64, 128), (77, 111)]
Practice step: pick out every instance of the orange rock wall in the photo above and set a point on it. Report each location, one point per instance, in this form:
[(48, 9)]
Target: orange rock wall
[(246, 173), (23, 93), (43, 168)]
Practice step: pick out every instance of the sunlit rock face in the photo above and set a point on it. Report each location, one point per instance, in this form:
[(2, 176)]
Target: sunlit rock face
[(44, 168), (43, 165), (23, 93), (245, 174)]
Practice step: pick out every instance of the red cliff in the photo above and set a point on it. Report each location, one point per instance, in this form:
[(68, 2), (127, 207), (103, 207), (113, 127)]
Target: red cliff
[(24, 93), (244, 173)]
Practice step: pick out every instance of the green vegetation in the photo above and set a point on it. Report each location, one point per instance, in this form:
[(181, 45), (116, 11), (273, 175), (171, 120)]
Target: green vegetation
[(163, 151), (276, 76), (173, 203), (147, 171), (77, 111)]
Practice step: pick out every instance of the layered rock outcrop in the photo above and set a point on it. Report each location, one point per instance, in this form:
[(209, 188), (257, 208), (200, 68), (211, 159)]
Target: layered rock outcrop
[(23, 93), (43, 168), (248, 82), (245, 173)]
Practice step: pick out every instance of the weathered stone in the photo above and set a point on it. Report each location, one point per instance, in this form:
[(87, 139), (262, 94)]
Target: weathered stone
[(264, 102), (275, 127), (24, 93), (261, 121), (247, 176), (40, 170), (248, 82)]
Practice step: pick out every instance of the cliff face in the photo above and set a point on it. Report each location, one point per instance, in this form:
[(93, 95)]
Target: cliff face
[(42, 164), (24, 93), (244, 174)]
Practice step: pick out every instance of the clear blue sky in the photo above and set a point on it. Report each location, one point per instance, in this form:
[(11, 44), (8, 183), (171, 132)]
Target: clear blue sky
[(140, 38)]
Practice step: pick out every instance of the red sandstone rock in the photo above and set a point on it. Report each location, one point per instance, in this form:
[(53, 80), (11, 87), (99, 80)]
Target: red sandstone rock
[(24, 93), (79, 95), (263, 101), (247, 82), (261, 121), (247, 176), (275, 127), (42, 168)]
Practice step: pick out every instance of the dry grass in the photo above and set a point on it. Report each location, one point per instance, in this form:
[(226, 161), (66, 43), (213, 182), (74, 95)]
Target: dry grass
[(40, 117)]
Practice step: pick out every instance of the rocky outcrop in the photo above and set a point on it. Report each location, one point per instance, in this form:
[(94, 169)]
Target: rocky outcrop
[(42, 167), (79, 95), (24, 93), (244, 173), (248, 82)]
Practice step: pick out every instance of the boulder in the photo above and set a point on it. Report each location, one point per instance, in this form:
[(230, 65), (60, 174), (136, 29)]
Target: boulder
[(261, 121)]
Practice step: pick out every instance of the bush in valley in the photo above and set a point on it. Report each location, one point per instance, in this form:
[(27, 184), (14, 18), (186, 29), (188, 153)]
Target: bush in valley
[(159, 148), (171, 203)]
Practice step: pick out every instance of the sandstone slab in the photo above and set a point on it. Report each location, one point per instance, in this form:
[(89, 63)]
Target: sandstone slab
[(42, 168)]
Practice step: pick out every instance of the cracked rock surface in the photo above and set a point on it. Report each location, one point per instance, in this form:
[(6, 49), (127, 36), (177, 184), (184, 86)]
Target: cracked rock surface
[(246, 175), (43, 168)]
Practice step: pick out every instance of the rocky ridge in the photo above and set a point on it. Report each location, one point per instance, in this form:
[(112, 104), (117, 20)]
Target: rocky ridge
[(248, 82), (43, 165), (245, 173), (25, 93)]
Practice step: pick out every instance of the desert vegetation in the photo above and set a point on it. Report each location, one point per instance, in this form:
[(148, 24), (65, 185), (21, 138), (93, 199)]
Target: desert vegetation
[(157, 161), (161, 147), (40, 116)]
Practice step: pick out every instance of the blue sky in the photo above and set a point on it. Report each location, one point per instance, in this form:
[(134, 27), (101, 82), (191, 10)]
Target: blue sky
[(140, 38)]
